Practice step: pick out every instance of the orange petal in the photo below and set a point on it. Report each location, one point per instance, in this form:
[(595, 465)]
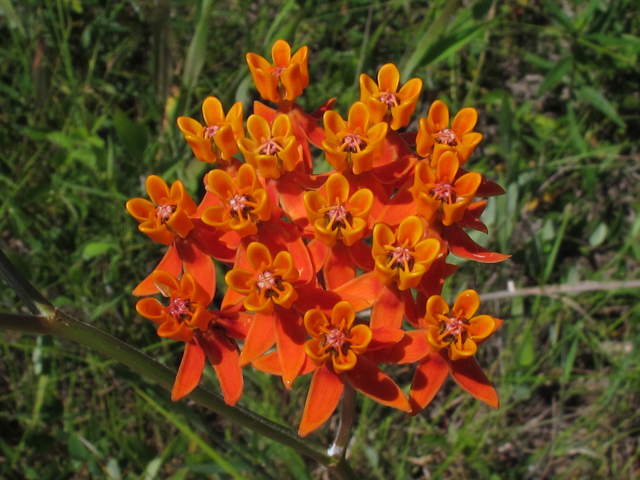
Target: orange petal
[(212, 111), (281, 53), (464, 121), (468, 374), (189, 372), (431, 373), (482, 327), (343, 311), (261, 337), (337, 189), (157, 189), (368, 87), (448, 165), (314, 322), (358, 118), (410, 231), (141, 209), (388, 309), (258, 256), (165, 282), (151, 309), (436, 306), (369, 380), (466, 305), (258, 129), (323, 398), (388, 78), (467, 184), (439, 115)]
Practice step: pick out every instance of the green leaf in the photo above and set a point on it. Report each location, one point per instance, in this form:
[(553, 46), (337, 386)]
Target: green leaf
[(133, 135), (94, 249), (555, 75), (526, 356), (599, 235), (571, 358), (6, 9), (595, 98), (197, 48)]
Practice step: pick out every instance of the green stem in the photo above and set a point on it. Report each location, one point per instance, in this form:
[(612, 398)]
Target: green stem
[(339, 447), (32, 298)]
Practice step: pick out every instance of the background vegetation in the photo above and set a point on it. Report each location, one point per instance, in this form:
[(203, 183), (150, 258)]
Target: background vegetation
[(89, 94)]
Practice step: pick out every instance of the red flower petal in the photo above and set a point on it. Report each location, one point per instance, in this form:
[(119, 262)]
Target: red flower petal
[(339, 267), (198, 264), (369, 380), (260, 338), (323, 398), (270, 363), (468, 374), (223, 356), (461, 245), (361, 291), (429, 377), (388, 309), (189, 372), (170, 263), (384, 337), (413, 347), (290, 337)]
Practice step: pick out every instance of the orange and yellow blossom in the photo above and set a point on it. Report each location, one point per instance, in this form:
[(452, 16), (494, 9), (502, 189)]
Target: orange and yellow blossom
[(440, 194), (169, 216), (244, 201), (272, 149), (216, 140), (435, 137), (383, 99), (338, 348), (354, 144), (187, 319), (269, 283), (286, 78), (405, 255), (338, 215), (451, 336)]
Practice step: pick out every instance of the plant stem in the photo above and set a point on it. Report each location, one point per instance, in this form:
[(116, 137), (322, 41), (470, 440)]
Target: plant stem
[(339, 447), (32, 298)]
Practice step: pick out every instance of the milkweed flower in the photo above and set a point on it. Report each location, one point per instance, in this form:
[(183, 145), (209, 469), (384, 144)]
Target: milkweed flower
[(436, 137), (270, 149), (269, 283), (404, 256), (383, 99), (286, 78), (452, 337), (439, 194), (338, 216), (337, 347), (216, 140), (244, 201), (169, 216), (187, 319), (354, 144)]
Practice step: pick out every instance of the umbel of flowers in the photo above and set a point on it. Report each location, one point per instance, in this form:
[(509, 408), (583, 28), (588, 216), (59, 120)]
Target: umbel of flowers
[(306, 252)]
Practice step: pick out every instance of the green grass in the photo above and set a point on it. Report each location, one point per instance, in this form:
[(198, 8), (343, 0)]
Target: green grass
[(89, 94)]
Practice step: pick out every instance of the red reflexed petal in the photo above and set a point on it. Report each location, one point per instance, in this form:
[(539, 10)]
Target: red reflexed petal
[(384, 337), (411, 348), (461, 245), (361, 291), (339, 267), (189, 372), (268, 113), (410, 309), (261, 337), (198, 264), (402, 205), (311, 297), (388, 309), (223, 356), (470, 217), (237, 324), (319, 252), (309, 123), (468, 374), (209, 240), (361, 254), (290, 338), (429, 377), (369, 380), (328, 105), (323, 398), (270, 363), (291, 199), (170, 263)]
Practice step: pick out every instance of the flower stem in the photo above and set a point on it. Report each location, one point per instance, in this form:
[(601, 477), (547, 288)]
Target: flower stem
[(339, 447), (32, 298)]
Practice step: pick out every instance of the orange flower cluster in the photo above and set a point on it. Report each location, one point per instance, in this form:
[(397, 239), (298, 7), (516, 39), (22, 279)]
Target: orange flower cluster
[(306, 252)]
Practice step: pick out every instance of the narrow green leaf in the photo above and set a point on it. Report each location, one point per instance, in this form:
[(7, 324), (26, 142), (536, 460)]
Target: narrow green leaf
[(555, 75), (551, 261), (526, 354), (571, 358), (599, 235), (436, 28), (94, 249), (197, 51), (6, 9), (595, 98)]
